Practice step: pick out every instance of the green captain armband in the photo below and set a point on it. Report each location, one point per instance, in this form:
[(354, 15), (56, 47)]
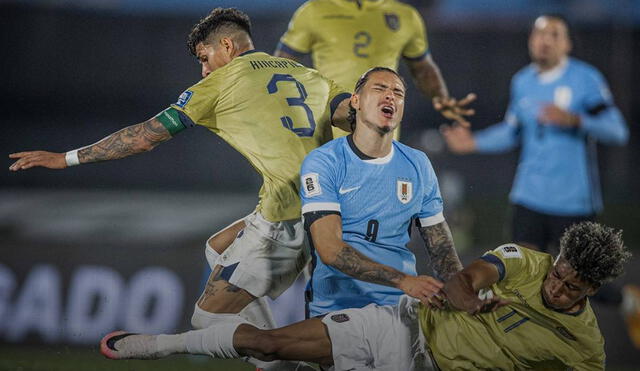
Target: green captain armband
[(170, 119)]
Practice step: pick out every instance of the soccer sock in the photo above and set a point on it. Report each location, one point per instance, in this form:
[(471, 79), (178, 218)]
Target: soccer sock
[(216, 340)]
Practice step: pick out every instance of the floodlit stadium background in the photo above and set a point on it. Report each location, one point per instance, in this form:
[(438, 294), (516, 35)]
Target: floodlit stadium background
[(119, 245)]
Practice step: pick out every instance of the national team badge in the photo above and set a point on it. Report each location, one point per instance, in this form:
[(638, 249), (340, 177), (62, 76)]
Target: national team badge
[(184, 98), (392, 20), (404, 191)]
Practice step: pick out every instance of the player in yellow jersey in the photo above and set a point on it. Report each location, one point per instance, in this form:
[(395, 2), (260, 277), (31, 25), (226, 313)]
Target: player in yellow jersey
[(273, 111), (512, 309), (348, 37)]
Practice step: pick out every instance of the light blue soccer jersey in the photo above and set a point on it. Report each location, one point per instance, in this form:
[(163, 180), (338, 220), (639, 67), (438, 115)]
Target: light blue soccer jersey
[(377, 199), (557, 173)]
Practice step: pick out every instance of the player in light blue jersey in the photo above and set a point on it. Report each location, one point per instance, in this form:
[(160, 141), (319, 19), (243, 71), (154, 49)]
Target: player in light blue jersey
[(360, 194), (559, 108)]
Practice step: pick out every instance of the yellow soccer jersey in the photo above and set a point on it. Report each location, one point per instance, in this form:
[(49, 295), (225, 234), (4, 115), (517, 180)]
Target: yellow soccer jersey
[(523, 335), (273, 111), (345, 39)]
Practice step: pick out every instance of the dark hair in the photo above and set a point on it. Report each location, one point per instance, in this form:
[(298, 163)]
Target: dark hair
[(361, 82), (227, 19), (595, 251)]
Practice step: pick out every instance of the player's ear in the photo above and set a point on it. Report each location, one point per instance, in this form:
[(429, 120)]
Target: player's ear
[(227, 45), (355, 101), (592, 290)]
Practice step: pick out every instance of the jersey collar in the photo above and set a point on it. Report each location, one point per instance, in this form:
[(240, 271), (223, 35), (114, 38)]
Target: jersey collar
[(251, 51), (553, 74), (366, 158)]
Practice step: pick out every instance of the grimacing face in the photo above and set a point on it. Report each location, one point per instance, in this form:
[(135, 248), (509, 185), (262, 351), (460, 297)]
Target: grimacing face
[(380, 102), (562, 289), (211, 57), (549, 42)]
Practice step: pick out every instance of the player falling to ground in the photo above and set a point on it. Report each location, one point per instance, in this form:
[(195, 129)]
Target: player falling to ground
[(534, 314), (347, 38), (560, 108), (273, 111), (360, 194)]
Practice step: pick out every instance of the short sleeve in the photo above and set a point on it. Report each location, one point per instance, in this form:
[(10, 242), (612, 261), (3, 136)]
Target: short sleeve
[(197, 104), (337, 94), (417, 47), (318, 190), (431, 212), (298, 38), (509, 259)]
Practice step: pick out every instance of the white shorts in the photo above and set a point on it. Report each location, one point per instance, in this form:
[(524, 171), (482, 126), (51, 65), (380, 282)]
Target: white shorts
[(378, 338), (266, 257)]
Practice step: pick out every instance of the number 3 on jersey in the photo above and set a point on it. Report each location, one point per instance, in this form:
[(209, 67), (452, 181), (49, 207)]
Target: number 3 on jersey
[(287, 121)]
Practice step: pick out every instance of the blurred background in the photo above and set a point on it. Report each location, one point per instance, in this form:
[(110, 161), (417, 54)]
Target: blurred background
[(119, 245)]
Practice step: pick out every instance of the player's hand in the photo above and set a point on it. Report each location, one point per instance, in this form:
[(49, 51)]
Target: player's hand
[(455, 110), (458, 138), (423, 288), (27, 160), (554, 115)]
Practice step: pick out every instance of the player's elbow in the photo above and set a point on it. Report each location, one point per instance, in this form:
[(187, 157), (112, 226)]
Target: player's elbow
[(328, 255)]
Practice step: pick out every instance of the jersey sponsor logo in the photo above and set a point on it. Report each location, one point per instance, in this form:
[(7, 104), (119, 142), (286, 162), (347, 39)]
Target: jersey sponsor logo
[(311, 185), (511, 251), (347, 190), (184, 98), (404, 191), (392, 20), (562, 97), (340, 318)]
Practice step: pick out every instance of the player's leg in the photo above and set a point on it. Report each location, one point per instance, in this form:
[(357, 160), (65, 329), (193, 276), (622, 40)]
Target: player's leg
[(263, 259), (527, 228), (232, 338)]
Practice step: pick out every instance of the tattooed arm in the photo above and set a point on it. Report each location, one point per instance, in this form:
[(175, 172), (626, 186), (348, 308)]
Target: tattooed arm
[(326, 234), (133, 139), (439, 243)]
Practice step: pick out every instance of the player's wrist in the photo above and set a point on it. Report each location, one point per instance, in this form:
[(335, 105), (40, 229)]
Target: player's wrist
[(71, 158)]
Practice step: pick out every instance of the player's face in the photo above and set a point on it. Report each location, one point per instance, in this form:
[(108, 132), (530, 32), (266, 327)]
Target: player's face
[(380, 103), (562, 289), (549, 42), (210, 57)]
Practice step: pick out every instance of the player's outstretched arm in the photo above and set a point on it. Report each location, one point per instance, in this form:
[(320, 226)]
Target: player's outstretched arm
[(441, 249), (133, 139), (326, 234), (462, 289), (429, 80)]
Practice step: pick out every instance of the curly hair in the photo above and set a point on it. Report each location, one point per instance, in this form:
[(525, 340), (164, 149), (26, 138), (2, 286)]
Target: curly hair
[(228, 19), (595, 251), (351, 119)]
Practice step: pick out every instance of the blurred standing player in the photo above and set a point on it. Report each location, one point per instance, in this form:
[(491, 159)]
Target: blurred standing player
[(360, 194), (559, 107), (273, 111), (535, 315), (348, 37)]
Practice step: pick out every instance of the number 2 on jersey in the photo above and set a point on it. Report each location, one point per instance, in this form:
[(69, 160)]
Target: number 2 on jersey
[(287, 121), (362, 40)]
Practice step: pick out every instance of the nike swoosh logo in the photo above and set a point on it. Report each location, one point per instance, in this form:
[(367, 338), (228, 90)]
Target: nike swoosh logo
[(343, 191)]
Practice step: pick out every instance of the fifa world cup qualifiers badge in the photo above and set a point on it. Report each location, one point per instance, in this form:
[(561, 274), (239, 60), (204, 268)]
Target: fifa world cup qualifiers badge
[(184, 98), (311, 185)]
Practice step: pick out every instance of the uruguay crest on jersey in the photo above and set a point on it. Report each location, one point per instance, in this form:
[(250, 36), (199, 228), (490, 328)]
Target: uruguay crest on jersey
[(404, 189)]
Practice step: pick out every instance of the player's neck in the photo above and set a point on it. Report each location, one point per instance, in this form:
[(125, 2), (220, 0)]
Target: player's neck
[(372, 143)]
